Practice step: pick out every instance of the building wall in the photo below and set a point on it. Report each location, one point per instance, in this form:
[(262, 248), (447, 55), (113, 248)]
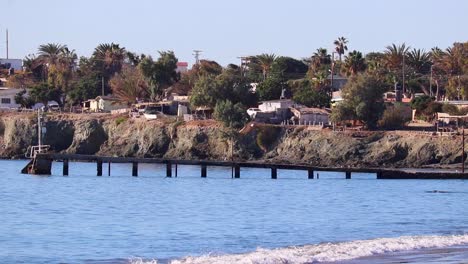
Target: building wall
[(107, 105), (271, 106), (7, 98), (317, 118), (17, 64)]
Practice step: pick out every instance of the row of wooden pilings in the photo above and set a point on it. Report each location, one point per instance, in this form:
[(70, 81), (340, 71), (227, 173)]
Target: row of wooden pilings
[(235, 170)]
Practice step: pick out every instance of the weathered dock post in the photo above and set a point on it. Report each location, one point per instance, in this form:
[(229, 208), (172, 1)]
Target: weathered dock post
[(274, 173), (109, 168), (348, 175), (65, 167), (99, 167), (203, 171), (176, 170), (310, 173), (237, 171), (169, 169), (134, 169)]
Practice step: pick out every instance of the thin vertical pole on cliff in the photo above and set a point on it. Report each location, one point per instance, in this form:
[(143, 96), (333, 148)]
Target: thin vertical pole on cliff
[(39, 129), (463, 149)]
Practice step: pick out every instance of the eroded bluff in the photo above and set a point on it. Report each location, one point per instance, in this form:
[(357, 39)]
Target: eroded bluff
[(111, 136)]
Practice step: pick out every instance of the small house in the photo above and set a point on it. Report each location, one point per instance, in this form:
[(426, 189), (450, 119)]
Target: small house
[(307, 115), (103, 104)]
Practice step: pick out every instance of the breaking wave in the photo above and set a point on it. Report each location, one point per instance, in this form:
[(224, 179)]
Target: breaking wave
[(328, 252)]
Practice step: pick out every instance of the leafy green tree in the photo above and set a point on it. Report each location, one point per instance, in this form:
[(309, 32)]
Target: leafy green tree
[(23, 100), (43, 93), (209, 89), (232, 115), (160, 74), (86, 87), (287, 68), (363, 98), (270, 89), (305, 93)]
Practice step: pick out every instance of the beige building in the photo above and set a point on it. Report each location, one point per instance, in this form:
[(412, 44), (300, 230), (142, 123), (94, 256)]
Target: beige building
[(103, 104)]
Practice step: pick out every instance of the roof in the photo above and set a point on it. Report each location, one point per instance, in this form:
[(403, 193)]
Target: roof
[(278, 101), (182, 64), (108, 98), (313, 110)]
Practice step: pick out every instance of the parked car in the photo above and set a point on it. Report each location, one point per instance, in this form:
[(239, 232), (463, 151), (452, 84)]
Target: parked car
[(150, 113), (252, 112), (53, 107)]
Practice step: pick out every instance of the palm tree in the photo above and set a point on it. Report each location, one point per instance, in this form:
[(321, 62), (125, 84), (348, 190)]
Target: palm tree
[(320, 58), (48, 55), (395, 55), (340, 46), (265, 61), (354, 63), (420, 61), (110, 56)]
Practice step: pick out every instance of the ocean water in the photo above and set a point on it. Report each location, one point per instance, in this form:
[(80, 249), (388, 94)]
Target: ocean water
[(83, 218)]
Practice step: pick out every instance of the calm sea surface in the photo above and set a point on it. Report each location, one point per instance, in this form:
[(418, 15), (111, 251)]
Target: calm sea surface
[(119, 219)]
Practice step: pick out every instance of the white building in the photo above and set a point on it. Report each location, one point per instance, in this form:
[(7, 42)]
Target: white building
[(182, 67), (7, 97), (103, 104), (16, 64), (273, 105), (307, 115)]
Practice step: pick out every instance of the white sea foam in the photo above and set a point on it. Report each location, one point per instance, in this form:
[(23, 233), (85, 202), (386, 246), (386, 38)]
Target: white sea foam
[(329, 252)]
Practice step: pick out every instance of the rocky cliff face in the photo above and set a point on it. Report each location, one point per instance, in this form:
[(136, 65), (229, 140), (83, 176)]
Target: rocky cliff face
[(110, 136)]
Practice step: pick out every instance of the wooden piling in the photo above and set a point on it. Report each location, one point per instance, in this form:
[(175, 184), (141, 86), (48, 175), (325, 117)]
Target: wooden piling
[(310, 173), (237, 171), (108, 168), (348, 175), (99, 167), (203, 171), (65, 167), (176, 170), (169, 169), (274, 173), (134, 169)]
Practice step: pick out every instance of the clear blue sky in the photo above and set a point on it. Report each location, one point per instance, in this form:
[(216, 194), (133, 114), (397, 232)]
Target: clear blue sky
[(225, 30)]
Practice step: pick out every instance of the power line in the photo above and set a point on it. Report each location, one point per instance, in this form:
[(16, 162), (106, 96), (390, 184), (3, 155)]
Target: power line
[(197, 56)]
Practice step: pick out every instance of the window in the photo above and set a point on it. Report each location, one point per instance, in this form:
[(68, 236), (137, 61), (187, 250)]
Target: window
[(6, 101)]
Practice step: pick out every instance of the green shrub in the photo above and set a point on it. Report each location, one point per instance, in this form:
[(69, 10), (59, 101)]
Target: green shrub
[(267, 136), (394, 117), (232, 115), (420, 103), (450, 109), (120, 120)]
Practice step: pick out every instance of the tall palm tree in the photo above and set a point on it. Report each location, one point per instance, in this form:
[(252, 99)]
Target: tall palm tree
[(320, 58), (111, 56), (48, 56), (395, 55), (265, 61), (354, 63), (420, 61), (340, 46)]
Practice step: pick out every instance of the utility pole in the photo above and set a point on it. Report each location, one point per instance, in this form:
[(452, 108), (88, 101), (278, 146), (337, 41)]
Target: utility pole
[(197, 53), (243, 65), (332, 73), (463, 149), (430, 82), (7, 43), (403, 69), (102, 85)]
